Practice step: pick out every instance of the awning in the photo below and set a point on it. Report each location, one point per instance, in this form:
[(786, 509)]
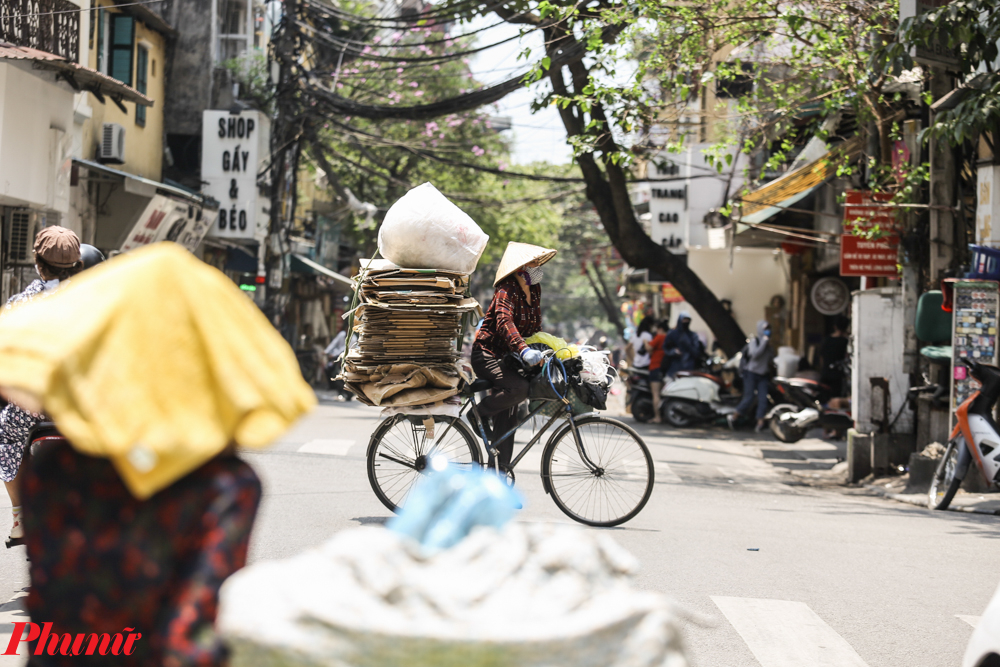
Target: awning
[(302, 264), (76, 75), (794, 186), (148, 187)]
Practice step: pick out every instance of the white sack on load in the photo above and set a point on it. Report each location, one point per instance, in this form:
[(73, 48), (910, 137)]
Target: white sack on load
[(423, 230), (531, 595)]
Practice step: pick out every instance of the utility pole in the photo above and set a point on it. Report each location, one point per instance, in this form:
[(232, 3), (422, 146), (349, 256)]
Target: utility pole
[(284, 161), (942, 189)]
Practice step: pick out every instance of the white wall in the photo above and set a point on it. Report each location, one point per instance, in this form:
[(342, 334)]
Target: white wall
[(31, 105), (757, 275)]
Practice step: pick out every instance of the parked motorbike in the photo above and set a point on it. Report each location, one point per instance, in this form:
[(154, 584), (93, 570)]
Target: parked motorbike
[(693, 397), (976, 437), (801, 409)]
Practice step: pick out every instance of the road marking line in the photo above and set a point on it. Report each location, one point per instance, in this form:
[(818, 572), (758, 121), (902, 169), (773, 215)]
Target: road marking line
[(327, 447), (971, 620), (666, 474), (781, 633)]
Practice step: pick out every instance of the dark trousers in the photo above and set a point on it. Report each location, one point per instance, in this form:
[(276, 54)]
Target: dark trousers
[(754, 383), (509, 390)]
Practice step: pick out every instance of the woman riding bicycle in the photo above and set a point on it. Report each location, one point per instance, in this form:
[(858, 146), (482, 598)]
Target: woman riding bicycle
[(514, 314)]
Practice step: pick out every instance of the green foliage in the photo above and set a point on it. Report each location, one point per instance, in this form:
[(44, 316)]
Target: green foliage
[(970, 31), (380, 160), (250, 71)]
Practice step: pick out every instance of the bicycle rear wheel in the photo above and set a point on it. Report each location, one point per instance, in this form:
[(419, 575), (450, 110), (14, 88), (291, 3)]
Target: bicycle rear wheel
[(613, 486), (399, 451)]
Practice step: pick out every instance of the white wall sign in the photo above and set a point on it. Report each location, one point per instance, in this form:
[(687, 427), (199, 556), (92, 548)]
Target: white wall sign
[(233, 151), (669, 211), (988, 206), (169, 219)]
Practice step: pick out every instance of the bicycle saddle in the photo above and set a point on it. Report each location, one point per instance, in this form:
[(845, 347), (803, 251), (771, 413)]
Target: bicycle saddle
[(481, 384)]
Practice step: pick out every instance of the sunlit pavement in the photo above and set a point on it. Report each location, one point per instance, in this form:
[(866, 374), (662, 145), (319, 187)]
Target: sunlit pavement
[(735, 530)]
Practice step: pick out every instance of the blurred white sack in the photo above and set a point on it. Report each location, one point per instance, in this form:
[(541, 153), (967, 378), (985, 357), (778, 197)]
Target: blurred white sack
[(531, 595), (424, 230)]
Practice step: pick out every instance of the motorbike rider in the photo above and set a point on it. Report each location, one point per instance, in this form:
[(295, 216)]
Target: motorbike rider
[(514, 314), (683, 347), (754, 367)]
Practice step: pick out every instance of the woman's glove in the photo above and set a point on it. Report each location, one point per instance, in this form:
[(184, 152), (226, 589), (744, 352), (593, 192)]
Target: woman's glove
[(531, 357)]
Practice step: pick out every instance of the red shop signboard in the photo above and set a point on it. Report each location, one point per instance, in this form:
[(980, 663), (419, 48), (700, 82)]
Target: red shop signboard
[(859, 256)]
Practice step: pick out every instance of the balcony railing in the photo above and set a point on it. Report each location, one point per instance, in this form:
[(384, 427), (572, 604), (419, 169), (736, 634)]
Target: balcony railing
[(47, 25)]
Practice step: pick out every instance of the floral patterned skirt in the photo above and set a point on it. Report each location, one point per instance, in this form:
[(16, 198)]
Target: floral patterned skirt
[(14, 426)]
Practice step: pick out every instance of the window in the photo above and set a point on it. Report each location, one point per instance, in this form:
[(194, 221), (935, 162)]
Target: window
[(141, 64), (233, 26), (122, 34), (102, 41)]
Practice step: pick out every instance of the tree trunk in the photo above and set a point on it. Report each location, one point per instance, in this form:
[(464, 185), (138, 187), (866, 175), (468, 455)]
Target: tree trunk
[(601, 290), (607, 189)]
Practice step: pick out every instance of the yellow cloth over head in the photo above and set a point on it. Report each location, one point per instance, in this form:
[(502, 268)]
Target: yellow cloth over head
[(155, 361)]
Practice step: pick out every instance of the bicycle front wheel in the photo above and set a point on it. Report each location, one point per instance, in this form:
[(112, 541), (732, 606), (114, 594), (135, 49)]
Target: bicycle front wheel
[(606, 480), (400, 450)]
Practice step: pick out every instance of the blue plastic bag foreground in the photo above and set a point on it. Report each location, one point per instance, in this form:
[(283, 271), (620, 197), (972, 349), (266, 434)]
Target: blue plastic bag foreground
[(445, 505)]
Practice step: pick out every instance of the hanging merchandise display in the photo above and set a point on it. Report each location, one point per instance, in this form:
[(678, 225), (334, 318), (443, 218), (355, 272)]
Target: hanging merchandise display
[(974, 333)]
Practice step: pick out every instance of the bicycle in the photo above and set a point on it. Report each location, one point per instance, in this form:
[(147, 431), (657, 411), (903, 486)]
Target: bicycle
[(597, 470)]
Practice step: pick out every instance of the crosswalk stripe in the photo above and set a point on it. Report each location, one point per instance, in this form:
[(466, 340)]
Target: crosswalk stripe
[(665, 473), (327, 447), (971, 620), (782, 633)]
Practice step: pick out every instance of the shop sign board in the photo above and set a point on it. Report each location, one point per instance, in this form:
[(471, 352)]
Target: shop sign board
[(170, 219), (860, 256), (234, 150)]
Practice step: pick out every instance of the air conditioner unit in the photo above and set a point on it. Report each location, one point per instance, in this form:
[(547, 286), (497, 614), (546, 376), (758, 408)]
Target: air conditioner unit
[(112, 143), (23, 226)]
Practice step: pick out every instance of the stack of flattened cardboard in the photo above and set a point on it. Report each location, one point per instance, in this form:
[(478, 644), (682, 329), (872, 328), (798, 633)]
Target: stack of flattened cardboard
[(408, 324)]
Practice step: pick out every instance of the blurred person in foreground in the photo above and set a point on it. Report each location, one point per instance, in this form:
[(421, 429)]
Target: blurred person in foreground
[(514, 314), (57, 257), (154, 367)]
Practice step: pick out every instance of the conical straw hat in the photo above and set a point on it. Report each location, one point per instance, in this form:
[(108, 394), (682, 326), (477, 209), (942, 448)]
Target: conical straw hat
[(519, 254)]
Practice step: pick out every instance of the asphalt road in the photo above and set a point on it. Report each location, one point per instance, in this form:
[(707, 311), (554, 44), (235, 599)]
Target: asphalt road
[(791, 575)]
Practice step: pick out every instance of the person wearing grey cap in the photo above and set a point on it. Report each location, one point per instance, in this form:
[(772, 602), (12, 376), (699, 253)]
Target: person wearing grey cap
[(57, 257)]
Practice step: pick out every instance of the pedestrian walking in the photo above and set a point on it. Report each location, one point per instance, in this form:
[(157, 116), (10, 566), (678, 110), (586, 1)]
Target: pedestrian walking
[(657, 367), (755, 366), (135, 518), (637, 351), (57, 257)]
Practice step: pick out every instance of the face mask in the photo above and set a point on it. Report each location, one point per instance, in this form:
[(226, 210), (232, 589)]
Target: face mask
[(534, 275)]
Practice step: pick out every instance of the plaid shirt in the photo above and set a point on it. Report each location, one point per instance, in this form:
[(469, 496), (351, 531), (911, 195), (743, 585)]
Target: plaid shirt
[(510, 318)]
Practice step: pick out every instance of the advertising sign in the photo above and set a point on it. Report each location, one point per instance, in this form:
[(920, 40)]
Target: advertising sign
[(234, 149), (863, 257), (169, 219)]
